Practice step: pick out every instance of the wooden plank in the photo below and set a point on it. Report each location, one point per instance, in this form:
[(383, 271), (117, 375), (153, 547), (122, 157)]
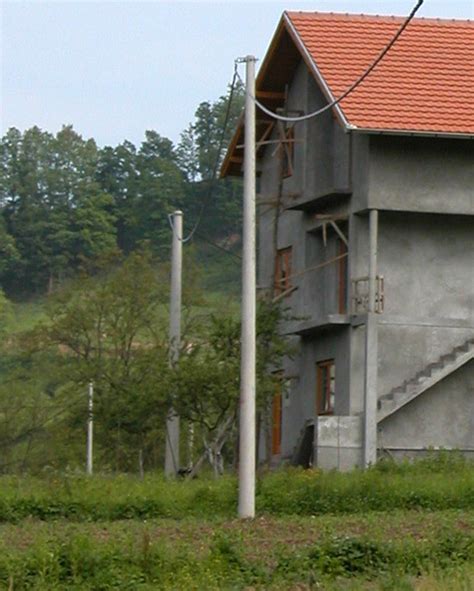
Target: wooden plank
[(270, 94)]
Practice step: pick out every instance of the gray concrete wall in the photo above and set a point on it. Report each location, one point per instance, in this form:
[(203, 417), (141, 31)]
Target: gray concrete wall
[(431, 175), (441, 417), (428, 265)]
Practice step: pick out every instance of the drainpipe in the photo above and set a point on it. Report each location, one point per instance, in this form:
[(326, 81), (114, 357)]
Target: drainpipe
[(371, 349)]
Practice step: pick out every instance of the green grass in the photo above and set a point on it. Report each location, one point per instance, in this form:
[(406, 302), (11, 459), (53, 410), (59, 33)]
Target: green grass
[(268, 553), (25, 316), (394, 528), (437, 484)]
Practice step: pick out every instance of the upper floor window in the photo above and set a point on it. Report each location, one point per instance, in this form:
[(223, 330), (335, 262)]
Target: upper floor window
[(325, 387), (283, 270)]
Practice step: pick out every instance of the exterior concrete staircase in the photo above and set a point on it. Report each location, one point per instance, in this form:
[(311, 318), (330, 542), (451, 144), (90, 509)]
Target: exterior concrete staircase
[(424, 379)]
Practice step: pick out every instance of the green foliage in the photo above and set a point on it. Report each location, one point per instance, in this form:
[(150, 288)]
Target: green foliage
[(111, 332), (72, 496), (432, 484), (64, 202), (168, 555), (292, 492), (55, 213), (174, 536), (207, 377), (5, 313)]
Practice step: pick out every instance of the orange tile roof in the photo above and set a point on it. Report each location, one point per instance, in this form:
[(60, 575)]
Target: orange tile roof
[(424, 84)]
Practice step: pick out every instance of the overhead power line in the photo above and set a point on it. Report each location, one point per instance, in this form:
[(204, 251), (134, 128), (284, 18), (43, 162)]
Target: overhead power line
[(235, 256), (351, 88), (213, 178)]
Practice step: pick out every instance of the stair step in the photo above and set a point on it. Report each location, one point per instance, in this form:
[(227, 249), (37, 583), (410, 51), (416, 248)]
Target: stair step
[(408, 390), (444, 359), (432, 367), (387, 404)]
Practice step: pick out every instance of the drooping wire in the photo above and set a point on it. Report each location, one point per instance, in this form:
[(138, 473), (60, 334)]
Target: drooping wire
[(235, 256), (213, 179), (351, 88)]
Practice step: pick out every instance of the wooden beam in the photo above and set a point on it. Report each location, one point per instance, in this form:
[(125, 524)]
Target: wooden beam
[(269, 94), (266, 134), (339, 232)]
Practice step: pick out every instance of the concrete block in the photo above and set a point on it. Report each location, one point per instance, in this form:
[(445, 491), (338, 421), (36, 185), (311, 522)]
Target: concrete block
[(339, 431)]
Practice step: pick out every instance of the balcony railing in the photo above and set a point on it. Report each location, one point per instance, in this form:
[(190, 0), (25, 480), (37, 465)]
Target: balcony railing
[(360, 295)]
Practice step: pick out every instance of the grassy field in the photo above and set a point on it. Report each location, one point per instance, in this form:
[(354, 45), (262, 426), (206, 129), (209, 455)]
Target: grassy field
[(393, 528), (402, 551)]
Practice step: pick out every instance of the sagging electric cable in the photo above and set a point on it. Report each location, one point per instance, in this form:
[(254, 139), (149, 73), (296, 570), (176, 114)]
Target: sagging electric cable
[(351, 88)]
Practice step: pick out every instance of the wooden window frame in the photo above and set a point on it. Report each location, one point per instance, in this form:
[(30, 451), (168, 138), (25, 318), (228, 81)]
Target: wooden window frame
[(324, 405), (277, 405), (283, 264)]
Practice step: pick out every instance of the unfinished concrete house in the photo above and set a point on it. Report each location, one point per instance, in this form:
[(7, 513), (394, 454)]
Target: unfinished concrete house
[(366, 235)]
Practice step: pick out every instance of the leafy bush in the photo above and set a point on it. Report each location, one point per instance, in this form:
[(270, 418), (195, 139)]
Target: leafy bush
[(434, 484)]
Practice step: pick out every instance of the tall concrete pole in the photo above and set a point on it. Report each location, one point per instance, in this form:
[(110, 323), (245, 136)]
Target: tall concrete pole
[(247, 368), (172, 420), (371, 349), (90, 429)]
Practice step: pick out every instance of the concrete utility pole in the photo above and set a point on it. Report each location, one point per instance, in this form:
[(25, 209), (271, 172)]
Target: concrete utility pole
[(90, 429), (172, 420), (247, 369), (371, 349)]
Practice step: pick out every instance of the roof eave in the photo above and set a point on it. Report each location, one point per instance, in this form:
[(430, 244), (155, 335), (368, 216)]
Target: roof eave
[(411, 132)]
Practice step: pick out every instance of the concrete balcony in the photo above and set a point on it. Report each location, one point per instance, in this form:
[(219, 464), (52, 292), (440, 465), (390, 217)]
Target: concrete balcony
[(303, 202), (310, 326)]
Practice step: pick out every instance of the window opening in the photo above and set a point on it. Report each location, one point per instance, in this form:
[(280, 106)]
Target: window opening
[(326, 387), (276, 420)]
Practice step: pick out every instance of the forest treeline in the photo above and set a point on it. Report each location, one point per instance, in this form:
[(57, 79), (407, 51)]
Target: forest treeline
[(88, 226), (65, 202)]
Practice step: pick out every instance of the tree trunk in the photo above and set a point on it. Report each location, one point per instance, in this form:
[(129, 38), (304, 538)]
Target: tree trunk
[(50, 283), (222, 434)]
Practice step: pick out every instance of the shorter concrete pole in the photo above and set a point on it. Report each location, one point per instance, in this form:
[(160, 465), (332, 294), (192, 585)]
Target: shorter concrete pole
[(371, 350), (90, 429)]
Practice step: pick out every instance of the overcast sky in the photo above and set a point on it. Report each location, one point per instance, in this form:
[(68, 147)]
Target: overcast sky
[(115, 69)]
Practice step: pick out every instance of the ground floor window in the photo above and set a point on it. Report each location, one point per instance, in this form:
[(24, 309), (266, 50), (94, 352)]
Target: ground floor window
[(325, 387)]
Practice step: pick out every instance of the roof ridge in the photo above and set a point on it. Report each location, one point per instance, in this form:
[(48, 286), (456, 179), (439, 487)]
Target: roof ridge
[(379, 17)]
